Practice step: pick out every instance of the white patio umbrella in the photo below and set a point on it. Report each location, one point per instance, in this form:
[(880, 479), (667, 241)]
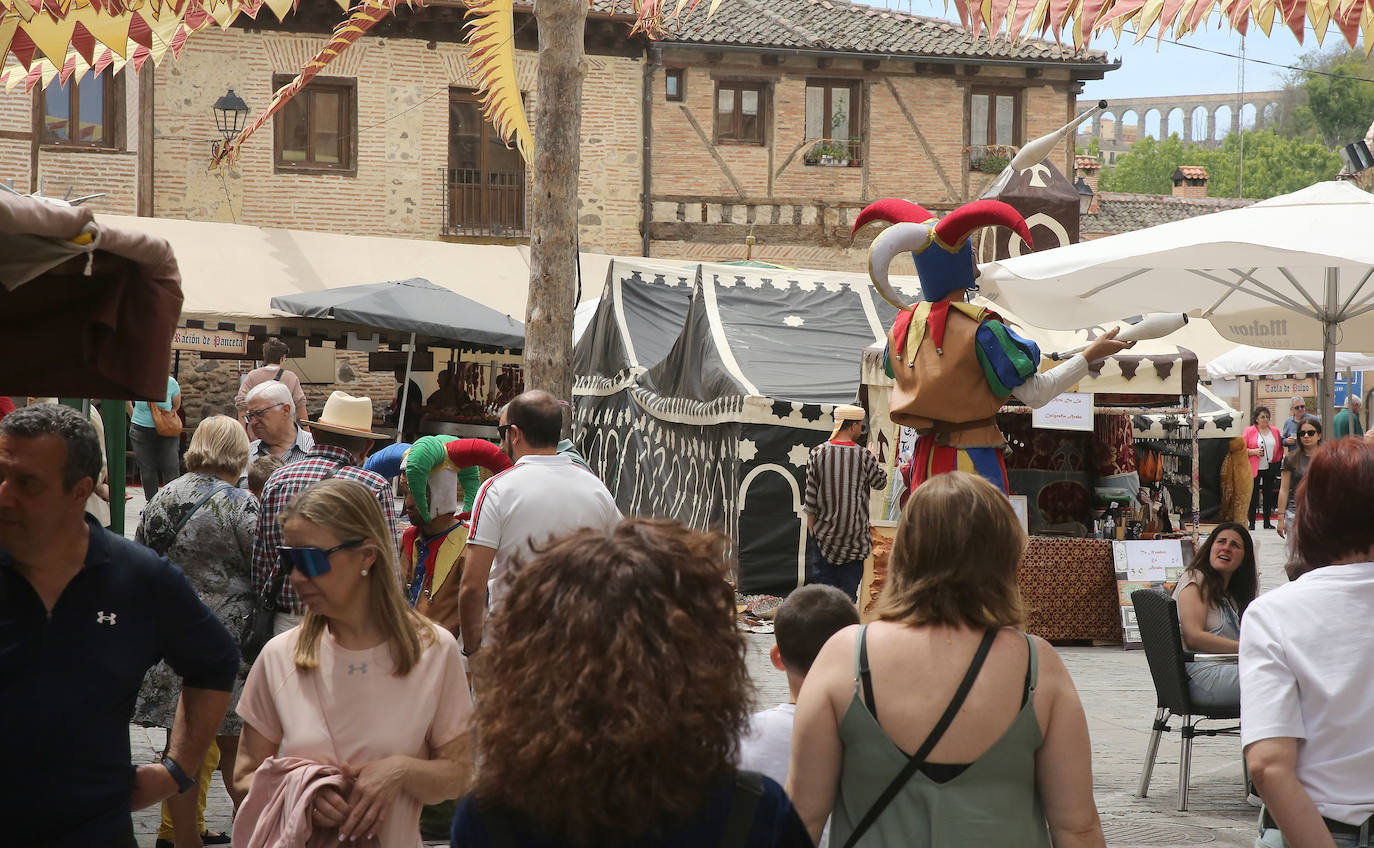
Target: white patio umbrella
[(1290, 272)]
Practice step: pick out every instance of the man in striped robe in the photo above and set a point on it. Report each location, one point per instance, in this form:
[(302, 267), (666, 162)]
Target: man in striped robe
[(839, 475)]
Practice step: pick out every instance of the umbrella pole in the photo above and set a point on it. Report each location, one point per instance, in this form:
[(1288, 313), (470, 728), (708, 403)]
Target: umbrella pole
[(1329, 328), (1196, 487), (405, 390)]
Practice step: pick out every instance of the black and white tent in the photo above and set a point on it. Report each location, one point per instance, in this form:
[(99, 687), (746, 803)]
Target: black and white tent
[(701, 390)]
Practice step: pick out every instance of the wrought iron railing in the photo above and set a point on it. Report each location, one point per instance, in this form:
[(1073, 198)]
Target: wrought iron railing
[(484, 203), (833, 151)]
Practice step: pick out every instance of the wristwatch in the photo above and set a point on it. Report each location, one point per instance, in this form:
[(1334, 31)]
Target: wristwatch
[(183, 782)]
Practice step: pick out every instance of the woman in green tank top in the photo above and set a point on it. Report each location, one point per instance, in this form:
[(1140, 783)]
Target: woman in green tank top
[(940, 724)]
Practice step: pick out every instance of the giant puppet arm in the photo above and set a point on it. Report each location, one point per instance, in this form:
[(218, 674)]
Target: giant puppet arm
[(1040, 389)]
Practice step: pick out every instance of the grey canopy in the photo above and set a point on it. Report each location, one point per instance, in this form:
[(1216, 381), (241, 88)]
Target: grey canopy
[(415, 306)]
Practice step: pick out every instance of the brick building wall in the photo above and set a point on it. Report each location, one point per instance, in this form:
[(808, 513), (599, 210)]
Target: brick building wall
[(708, 197)]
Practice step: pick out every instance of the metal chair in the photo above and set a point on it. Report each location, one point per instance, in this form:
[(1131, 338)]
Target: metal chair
[(1157, 616)]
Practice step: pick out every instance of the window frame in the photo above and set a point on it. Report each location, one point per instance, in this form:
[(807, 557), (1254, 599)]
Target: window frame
[(732, 136), (348, 123), (485, 229), (112, 93), (856, 109), (1018, 117), (679, 74)]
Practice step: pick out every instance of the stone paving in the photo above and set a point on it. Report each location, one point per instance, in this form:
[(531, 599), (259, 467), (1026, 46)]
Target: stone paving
[(1118, 698)]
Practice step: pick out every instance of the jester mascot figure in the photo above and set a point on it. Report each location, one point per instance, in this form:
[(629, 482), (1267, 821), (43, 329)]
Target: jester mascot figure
[(431, 548), (953, 363)]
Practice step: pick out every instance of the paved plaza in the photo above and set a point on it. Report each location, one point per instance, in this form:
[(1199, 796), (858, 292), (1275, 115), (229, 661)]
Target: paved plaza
[(1120, 703)]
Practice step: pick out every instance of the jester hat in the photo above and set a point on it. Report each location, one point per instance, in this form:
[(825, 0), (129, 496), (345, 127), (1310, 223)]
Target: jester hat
[(941, 250), (436, 465)]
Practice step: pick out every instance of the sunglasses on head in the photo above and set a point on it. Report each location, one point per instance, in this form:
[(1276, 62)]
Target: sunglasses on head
[(1307, 432), (310, 562)]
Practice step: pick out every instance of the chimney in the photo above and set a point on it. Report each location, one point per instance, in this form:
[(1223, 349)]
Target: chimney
[(1089, 168), (1190, 181)]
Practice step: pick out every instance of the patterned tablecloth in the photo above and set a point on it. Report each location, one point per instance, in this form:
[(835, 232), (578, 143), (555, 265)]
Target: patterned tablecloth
[(1069, 589), (1068, 586)]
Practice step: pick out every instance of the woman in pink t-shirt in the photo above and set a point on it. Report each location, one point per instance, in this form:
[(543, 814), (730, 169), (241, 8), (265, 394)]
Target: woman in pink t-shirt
[(364, 685)]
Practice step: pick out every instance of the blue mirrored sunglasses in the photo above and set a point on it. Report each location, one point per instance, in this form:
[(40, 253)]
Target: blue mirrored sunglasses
[(310, 562)]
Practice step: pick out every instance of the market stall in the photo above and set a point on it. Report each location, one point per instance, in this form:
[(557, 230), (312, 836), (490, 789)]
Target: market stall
[(1061, 479)]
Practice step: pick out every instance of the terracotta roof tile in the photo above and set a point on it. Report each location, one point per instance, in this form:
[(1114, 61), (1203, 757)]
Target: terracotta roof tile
[(1193, 172), (1123, 213), (1081, 163), (843, 26)]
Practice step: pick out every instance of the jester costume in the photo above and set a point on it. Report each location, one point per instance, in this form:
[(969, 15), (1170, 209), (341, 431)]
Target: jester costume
[(953, 364), (434, 468)]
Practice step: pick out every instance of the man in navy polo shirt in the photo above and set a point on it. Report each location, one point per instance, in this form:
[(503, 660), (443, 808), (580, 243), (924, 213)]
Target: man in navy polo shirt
[(83, 614)]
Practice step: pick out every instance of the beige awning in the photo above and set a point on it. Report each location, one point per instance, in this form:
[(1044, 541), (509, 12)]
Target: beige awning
[(233, 271)]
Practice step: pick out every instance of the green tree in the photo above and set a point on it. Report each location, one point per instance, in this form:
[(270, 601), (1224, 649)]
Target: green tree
[(1340, 97), (1274, 164), (1094, 148), (1146, 167)]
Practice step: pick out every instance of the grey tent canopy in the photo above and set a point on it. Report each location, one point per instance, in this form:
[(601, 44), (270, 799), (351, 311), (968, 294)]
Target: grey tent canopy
[(414, 306)]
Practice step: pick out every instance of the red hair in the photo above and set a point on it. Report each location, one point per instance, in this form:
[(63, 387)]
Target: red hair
[(1335, 503)]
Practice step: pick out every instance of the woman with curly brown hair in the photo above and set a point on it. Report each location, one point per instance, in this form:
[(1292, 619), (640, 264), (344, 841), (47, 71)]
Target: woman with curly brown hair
[(618, 695), (870, 740)]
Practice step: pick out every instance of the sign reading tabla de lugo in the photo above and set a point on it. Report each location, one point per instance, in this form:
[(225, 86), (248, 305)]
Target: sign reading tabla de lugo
[(210, 341), (1302, 387)]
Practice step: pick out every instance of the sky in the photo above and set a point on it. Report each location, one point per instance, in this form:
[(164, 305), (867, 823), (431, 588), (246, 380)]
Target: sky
[(1148, 70)]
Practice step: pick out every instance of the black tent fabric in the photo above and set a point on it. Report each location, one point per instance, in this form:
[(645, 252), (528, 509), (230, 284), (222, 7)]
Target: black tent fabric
[(705, 410)]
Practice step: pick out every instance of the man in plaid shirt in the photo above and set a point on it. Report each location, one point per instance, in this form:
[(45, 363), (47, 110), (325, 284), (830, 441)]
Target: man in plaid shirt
[(342, 441)]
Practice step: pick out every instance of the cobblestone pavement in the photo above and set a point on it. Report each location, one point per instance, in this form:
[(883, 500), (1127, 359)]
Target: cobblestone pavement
[(1118, 698)]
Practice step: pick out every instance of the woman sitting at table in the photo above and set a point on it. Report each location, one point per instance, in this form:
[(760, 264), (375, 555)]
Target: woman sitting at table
[(1212, 595)]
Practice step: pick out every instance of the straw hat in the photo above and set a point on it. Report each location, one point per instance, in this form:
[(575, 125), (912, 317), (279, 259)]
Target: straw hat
[(844, 413), (349, 415)]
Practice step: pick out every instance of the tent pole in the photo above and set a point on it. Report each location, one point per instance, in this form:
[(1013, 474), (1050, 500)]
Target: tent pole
[(116, 429), (405, 390), (1329, 327), (1196, 487)]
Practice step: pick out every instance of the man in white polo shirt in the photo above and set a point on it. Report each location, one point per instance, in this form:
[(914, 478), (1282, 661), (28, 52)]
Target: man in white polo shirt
[(544, 496)]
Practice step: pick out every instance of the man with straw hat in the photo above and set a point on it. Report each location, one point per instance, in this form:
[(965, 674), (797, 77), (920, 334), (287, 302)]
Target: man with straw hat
[(839, 474), (343, 438)]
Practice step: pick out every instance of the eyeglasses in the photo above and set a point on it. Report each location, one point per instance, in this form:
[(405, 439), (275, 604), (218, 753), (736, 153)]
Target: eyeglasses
[(1307, 432), (254, 416), (310, 562), (1298, 406), (502, 428)]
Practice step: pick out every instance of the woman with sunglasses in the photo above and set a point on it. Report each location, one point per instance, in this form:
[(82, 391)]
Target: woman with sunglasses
[(365, 686), (1294, 469)]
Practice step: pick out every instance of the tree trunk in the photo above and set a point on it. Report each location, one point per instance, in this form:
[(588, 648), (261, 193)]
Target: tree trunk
[(553, 206)]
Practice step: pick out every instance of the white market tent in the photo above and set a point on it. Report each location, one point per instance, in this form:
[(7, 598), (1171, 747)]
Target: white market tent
[(1247, 361), (1292, 271), (232, 271)]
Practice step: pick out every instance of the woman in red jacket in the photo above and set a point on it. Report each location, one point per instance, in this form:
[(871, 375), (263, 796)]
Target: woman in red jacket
[(1265, 449)]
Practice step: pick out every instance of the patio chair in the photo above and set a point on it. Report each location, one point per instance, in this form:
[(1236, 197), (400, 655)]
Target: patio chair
[(1157, 616)]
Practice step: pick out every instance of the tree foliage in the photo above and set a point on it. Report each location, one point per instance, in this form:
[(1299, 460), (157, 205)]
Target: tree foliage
[(1339, 97), (1274, 164)]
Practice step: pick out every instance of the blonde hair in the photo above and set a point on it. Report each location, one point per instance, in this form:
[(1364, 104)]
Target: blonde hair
[(219, 446), (954, 558), (348, 509)]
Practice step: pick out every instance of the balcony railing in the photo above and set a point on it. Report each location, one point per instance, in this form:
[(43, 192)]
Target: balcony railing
[(484, 203), (990, 158)]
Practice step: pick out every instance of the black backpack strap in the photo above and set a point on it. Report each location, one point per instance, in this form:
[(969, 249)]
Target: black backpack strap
[(744, 805), (279, 373), (865, 675), (916, 760)]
